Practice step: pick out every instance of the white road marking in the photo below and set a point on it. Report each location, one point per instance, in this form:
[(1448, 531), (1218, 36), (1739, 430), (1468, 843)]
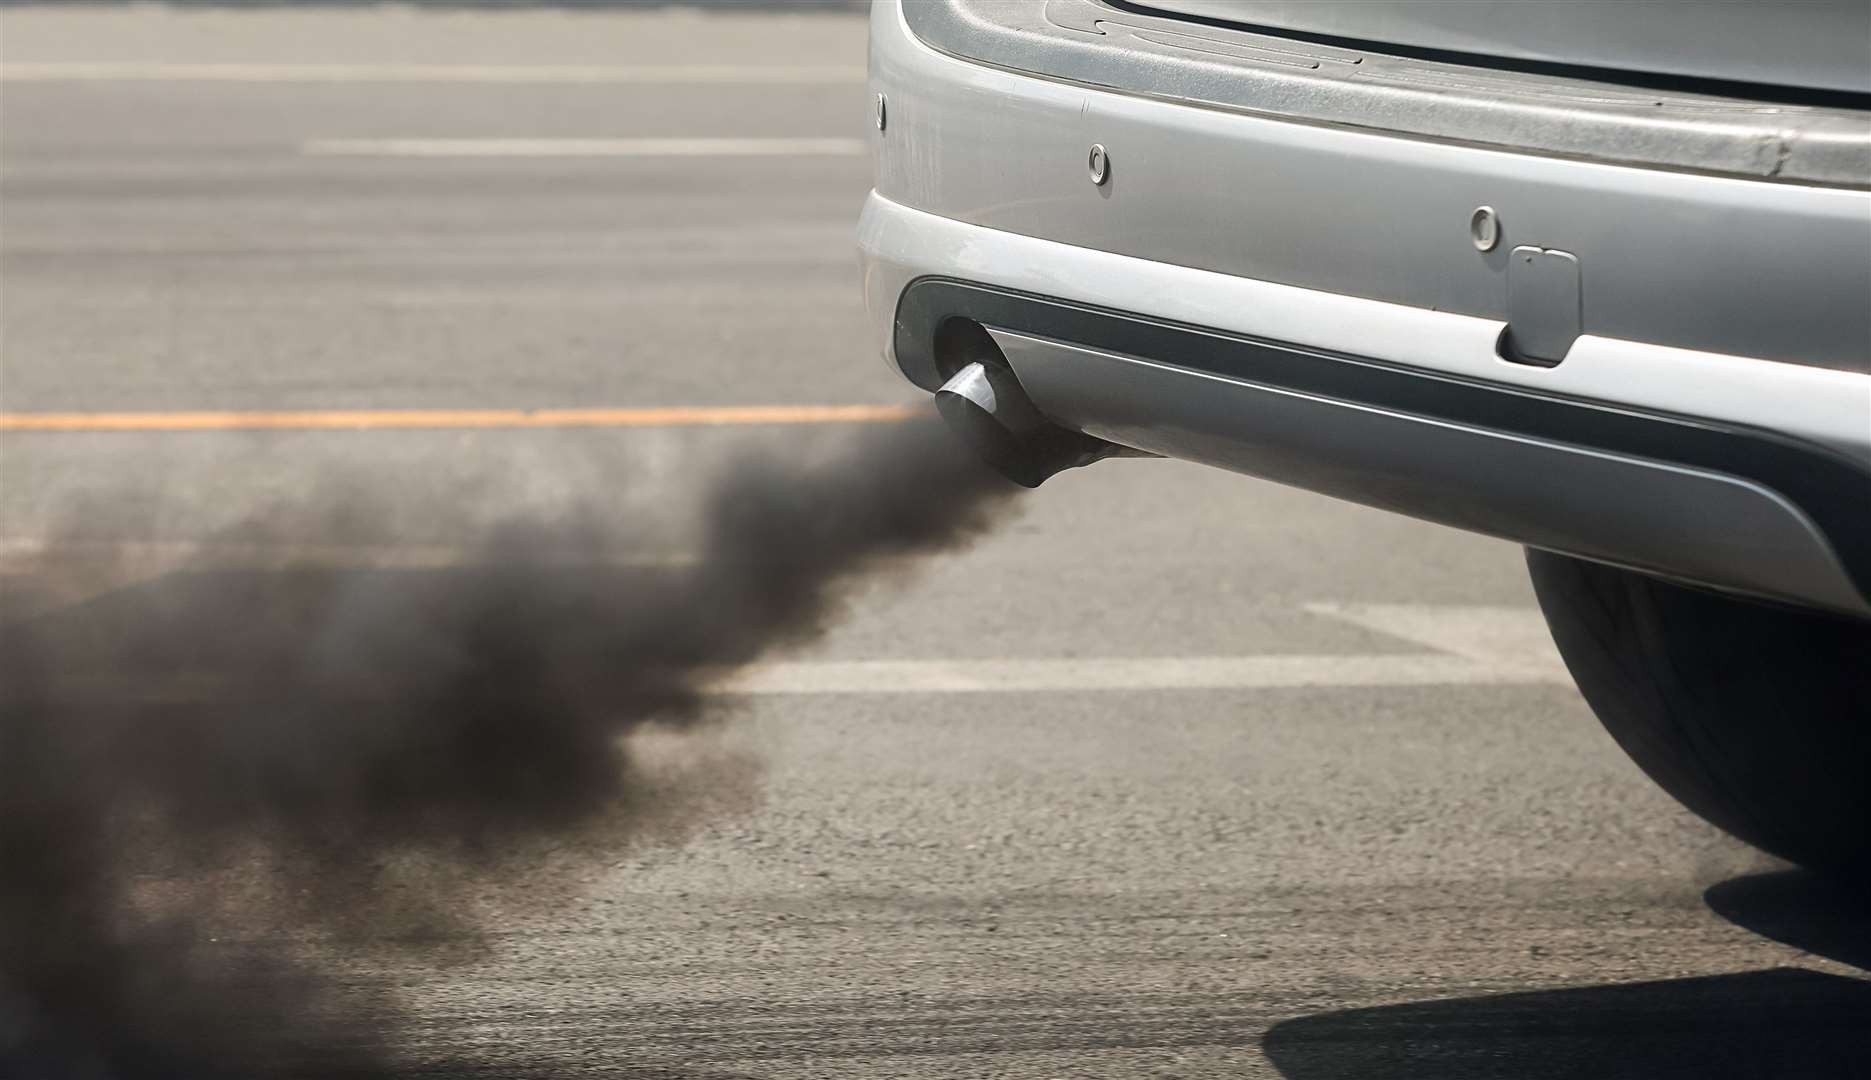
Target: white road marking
[(1473, 646), (1005, 676), (1507, 638), (585, 74), (537, 148), (1123, 673)]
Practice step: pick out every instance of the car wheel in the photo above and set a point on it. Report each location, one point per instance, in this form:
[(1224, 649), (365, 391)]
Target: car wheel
[(1757, 717)]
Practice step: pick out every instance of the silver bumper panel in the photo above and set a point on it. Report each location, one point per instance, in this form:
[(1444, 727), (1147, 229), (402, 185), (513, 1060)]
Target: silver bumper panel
[(1714, 264)]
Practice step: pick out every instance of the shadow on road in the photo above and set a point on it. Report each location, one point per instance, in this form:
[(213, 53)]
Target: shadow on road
[(1801, 909), (1782, 1023)]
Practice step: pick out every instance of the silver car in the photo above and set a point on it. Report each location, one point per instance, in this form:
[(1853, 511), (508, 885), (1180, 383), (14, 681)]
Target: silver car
[(1594, 277)]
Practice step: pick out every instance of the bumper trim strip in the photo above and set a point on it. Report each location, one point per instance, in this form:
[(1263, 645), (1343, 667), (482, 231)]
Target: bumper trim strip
[(1095, 44)]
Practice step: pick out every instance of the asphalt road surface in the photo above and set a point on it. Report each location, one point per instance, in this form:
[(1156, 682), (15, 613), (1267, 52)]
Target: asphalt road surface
[(1176, 774)]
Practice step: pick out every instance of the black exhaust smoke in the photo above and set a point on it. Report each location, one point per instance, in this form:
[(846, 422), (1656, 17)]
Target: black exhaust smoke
[(219, 787)]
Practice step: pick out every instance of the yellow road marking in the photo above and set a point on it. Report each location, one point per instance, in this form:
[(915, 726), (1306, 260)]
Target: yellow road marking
[(372, 419)]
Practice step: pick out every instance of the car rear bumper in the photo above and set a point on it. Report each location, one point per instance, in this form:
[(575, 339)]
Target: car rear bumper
[(1304, 302)]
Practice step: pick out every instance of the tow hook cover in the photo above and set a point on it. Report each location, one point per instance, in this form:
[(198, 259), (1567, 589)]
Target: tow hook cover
[(1544, 314)]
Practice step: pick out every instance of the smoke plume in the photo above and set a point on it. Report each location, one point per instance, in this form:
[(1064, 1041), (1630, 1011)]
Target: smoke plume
[(214, 782)]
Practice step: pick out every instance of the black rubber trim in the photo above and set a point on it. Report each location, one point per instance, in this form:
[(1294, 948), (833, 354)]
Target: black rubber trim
[(1832, 490)]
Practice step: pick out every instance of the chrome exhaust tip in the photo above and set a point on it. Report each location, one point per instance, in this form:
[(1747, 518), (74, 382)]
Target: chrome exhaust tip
[(987, 408)]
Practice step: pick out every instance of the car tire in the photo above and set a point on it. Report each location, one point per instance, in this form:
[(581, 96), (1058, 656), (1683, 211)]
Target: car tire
[(1755, 716)]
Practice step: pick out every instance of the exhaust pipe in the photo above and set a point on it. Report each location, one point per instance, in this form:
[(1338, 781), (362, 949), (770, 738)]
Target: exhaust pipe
[(985, 405)]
